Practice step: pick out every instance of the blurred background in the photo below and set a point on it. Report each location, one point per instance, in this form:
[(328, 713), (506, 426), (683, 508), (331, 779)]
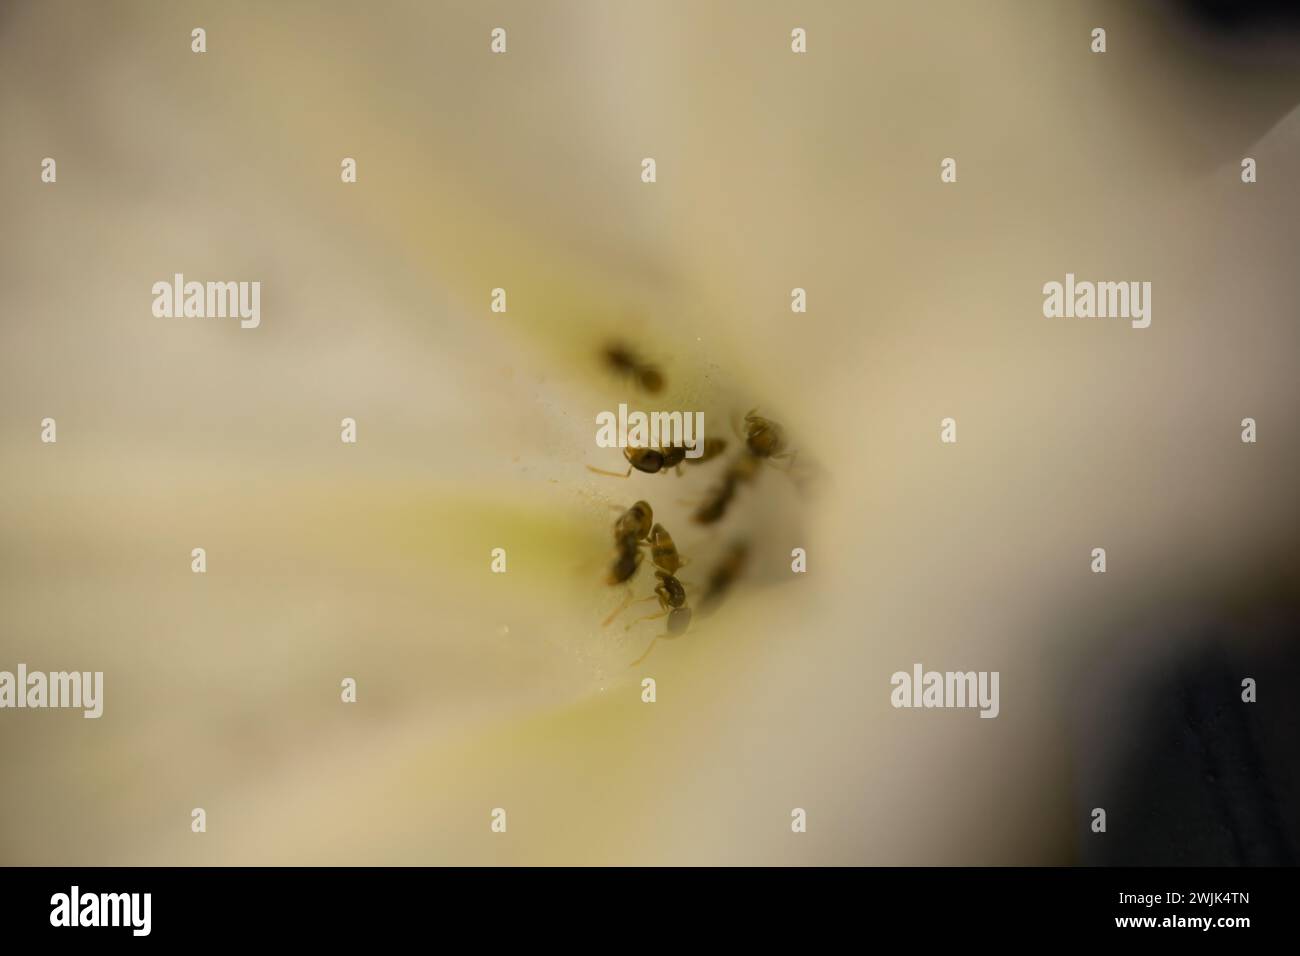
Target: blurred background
[(479, 690)]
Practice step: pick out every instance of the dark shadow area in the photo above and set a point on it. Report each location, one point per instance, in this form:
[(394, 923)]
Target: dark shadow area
[(1202, 778)]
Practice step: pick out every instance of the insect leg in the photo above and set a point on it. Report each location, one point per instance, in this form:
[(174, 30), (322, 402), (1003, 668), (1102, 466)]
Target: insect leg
[(619, 610), (646, 654), (611, 474)]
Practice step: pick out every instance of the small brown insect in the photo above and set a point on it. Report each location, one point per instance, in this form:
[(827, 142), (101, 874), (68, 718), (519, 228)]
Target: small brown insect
[(739, 472), (648, 460), (627, 558), (672, 601), (663, 552), (632, 528), (671, 595), (670, 592), (724, 576), (638, 520), (715, 505), (654, 460), (764, 437), (627, 363)]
